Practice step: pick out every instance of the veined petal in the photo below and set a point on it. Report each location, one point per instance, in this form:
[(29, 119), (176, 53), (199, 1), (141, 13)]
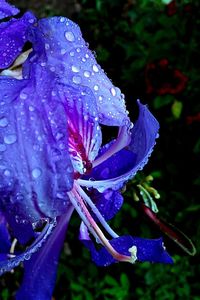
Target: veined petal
[(123, 165), (59, 42), (35, 169), (40, 271), (13, 35), (84, 130), (7, 10), (143, 249)]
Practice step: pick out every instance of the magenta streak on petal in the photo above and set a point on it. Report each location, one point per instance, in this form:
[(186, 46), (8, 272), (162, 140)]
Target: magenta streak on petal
[(82, 210), (96, 212), (123, 140)]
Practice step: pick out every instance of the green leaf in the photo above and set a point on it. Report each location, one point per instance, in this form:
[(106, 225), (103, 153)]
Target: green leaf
[(111, 281), (161, 101), (177, 107)]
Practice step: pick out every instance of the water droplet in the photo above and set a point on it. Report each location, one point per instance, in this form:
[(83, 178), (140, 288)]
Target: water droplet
[(7, 173), (76, 79), (83, 59), (47, 46), (31, 108), (86, 74), (96, 87), (75, 69), (63, 51), (2, 147), (86, 117), (52, 69), (71, 53), (62, 19), (69, 36), (31, 21), (43, 64), (36, 173), (113, 91), (70, 169), (78, 50), (10, 139), (3, 122), (23, 95), (86, 55), (95, 68), (59, 135)]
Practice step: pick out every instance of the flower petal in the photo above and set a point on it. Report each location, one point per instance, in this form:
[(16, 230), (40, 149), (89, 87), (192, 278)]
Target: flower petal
[(35, 169), (108, 203), (40, 271), (147, 250), (13, 35), (123, 165), (10, 263), (7, 10), (59, 41), (84, 130)]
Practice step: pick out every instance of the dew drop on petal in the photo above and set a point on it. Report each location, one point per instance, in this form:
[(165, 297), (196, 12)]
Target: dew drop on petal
[(3, 122), (2, 147), (10, 139), (75, 69), (113, 91), (43, 64), (76, 79), (31, 108), (36, 173), (23, 95), (96, 87), (46, 46), (86, 74), (63, 51), (69, 36), (7, 173), (71, 53), (95, 68)]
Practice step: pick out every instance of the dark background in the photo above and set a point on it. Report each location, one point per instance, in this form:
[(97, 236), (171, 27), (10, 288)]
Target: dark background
[(151, 51)]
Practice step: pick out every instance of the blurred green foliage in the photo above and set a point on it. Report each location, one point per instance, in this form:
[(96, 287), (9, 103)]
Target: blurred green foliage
[(130, 38)]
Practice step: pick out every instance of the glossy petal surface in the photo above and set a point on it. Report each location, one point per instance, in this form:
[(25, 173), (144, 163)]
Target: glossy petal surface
[(7, 10), (147, 250), (59, 42), (35, 169), (13, 35)]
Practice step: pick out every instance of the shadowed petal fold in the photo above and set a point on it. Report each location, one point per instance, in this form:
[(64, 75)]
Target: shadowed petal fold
[(40, 271), (8, 262), (13, 35), (123, 165)]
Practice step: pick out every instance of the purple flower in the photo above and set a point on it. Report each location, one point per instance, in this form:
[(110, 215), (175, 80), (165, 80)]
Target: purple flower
[(51, 156)]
